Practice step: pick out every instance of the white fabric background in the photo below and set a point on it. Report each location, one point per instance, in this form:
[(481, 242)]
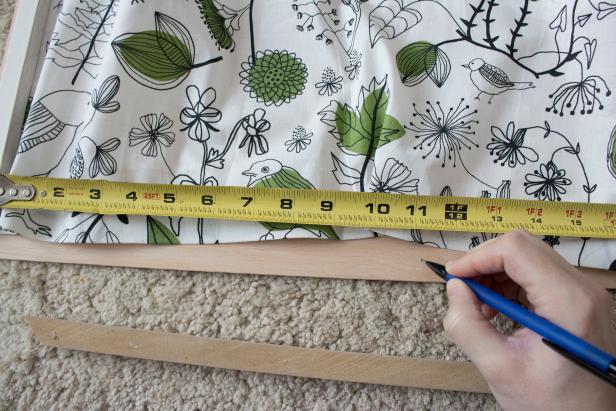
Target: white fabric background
[(276, 29)]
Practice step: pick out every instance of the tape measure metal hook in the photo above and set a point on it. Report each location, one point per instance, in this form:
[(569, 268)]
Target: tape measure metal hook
[(10, 191)]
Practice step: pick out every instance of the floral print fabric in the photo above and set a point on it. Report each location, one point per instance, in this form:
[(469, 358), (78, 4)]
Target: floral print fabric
[(472, 98)]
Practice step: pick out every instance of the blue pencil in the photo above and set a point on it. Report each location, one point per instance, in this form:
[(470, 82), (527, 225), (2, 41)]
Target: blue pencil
[(562, 341)]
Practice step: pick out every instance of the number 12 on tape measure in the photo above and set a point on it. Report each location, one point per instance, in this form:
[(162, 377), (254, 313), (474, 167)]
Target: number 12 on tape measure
[(314, 207)]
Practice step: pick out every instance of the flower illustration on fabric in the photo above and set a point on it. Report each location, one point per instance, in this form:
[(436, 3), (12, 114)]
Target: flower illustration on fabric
[(274, 77), (547, 183), (299, 141), (98, 157), (103, 97), (395, 177), (605, 8), (222, 21), (255, 125), (153, 135), (330, 83), (103, 161), (583, 94), (508, 146), (352, 69), (200, 115), (443, 133), (551, 240)]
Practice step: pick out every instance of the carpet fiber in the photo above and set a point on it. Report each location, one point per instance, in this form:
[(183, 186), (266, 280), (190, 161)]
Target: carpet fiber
[(371, 317)]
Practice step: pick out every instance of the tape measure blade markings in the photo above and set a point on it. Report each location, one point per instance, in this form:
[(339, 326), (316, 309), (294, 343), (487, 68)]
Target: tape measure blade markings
[(315, 207)]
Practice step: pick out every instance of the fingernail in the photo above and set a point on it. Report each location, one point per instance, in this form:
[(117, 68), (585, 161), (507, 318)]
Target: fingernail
[(453, 288)]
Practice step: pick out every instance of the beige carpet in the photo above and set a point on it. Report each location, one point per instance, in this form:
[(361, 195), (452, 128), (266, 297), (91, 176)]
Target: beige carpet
[(344, 315)]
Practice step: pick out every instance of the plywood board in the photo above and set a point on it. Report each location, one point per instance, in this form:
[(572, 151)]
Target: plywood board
[(383, 258), (258, 357)]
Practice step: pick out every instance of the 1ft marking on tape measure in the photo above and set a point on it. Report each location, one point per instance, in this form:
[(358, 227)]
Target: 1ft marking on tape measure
[(315, 207)]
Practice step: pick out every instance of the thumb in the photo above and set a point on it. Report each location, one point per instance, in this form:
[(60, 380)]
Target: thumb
[(469, 329)]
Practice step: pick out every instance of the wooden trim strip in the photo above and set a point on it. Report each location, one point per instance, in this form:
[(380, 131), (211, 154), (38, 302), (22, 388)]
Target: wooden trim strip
[(258, 357), (382, 259)]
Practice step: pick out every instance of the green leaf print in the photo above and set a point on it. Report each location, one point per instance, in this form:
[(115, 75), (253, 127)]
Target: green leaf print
[(363, 132), (422, 59), (215, 22), (159, 234), (143, 54), (415, 62), (160, 59)]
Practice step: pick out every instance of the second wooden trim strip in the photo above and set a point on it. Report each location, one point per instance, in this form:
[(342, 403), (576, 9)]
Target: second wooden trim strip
[(257, 357), (383, 258)]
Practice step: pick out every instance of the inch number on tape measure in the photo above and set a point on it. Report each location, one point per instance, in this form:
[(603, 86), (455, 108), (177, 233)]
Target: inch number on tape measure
[(312, 207)]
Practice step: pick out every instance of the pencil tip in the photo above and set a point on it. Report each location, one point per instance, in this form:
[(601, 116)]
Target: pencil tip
[(438, 269)]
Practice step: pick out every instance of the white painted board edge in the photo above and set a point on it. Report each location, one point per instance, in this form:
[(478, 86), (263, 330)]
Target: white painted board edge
[(18, 70)]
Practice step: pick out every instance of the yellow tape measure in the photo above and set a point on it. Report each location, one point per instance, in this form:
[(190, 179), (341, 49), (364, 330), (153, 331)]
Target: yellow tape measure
[(316, 207)]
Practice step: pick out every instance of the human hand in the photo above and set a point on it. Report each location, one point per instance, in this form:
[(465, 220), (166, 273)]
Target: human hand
[(523, 373)]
